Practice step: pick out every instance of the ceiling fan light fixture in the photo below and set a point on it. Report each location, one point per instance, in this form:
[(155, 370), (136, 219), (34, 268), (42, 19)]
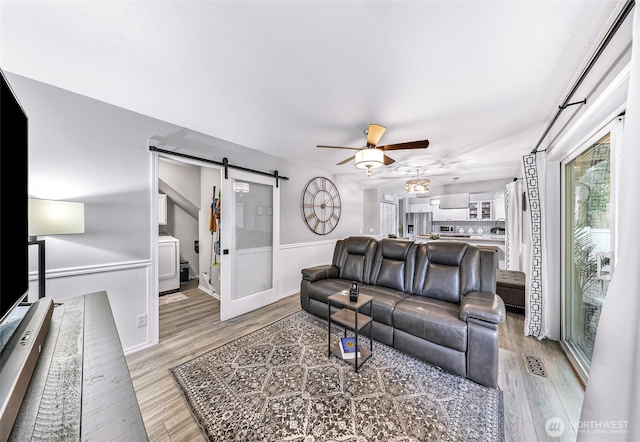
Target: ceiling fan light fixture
[(369, 158)]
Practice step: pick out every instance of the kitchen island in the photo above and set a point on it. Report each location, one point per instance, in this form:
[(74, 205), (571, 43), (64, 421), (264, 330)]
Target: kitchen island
[(478, 240)]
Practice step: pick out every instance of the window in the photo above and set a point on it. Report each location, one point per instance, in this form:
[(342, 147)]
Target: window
[(388, 219)]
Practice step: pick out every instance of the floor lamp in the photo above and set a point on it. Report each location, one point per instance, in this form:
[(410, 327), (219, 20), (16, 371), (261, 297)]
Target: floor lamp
[(48, 217)]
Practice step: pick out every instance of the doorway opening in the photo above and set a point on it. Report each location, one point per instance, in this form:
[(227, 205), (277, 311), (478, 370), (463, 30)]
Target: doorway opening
[(238, 229)]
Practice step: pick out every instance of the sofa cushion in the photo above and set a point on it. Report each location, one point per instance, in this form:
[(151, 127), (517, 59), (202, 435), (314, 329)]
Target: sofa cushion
[(484, 306), (394, 264), (442, 282), (431, 319), (449, 253), (384, 301), (322, 289), (320, 272), (446, 270), (355, 258), (353, 267)]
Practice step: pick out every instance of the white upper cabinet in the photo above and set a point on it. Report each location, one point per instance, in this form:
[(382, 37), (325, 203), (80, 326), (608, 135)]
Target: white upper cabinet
[(458, 214), (449, 214), (481, 210), (419, 208)]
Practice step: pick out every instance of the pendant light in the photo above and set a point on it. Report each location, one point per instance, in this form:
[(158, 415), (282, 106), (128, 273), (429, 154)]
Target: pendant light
[(418, 185)]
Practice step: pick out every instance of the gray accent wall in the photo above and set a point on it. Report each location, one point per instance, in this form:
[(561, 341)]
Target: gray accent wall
[(371, 219), (85, 150)]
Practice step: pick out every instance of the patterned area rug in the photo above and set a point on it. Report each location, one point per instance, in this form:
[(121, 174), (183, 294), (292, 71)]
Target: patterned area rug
[(277, 384), (171, 298)]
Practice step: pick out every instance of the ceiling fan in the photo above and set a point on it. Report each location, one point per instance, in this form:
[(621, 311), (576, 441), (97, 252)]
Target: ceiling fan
[(372, 155)]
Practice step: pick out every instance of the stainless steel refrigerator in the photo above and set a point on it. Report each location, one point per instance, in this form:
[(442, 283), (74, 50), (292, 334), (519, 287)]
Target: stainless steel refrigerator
[(419, 224)]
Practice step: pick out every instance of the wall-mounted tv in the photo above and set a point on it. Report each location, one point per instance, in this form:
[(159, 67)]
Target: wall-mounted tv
[(14, 259), (23, 330)]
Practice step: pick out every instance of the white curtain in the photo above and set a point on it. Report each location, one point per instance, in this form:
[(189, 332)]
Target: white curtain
[(513, 200), (536, 317), (611, 407)]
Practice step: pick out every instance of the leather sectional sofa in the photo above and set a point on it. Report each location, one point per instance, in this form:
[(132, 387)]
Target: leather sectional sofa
[(436, 301)]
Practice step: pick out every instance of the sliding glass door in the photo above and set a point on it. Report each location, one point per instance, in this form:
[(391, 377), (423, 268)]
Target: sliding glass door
[(588, 246)]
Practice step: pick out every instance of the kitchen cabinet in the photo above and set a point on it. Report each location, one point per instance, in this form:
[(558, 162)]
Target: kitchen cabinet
[(481, 210), (419, 208), (449, 214), (457, 214), (438, 214)]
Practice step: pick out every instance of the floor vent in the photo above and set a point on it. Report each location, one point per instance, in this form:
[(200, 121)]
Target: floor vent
[(535, 366)]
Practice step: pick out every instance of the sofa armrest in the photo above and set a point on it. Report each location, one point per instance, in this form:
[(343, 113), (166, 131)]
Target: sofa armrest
[(317, 273), (484, 306)]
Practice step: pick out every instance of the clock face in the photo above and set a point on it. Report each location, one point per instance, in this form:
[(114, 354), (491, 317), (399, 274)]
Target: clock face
[(321, 205)]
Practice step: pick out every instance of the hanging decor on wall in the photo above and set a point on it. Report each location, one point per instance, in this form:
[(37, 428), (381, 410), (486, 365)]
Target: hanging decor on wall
[(321, 205)]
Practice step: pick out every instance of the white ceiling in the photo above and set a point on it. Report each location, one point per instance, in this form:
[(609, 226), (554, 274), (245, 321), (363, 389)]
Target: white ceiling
[(479, 79)]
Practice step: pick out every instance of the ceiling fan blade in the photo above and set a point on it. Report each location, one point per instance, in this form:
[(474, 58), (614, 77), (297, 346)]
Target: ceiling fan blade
[(345, 161), (388, 160), (374, 134), (422, 144), (340, 147)]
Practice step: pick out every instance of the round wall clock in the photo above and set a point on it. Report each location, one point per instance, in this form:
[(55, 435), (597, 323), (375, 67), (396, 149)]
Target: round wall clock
[(321, 205)]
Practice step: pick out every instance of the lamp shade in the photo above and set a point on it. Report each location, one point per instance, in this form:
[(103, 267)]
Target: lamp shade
[(48, 217), (369, 158)]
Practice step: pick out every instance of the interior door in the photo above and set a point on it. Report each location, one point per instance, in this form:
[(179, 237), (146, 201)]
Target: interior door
[(589, 238), (249, 239)]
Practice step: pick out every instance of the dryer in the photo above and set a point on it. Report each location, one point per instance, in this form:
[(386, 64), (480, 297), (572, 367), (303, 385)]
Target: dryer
[(168, 263)]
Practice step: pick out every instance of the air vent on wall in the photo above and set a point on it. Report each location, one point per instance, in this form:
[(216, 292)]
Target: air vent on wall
[(454, 201)]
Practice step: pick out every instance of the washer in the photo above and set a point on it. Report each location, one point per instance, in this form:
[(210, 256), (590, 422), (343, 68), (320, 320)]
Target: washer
[(168, 263)]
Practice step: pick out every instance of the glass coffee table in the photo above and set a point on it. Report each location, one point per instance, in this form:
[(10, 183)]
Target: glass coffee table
[(351, 317)]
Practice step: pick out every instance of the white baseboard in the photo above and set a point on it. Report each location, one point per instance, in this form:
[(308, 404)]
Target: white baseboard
[(209, 292)]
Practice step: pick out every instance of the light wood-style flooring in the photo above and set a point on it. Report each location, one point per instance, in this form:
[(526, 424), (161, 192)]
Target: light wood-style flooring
[(192, 327)]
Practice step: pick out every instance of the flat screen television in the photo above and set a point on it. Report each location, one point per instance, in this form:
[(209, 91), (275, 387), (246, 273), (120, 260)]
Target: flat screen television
[(14, 258), (23, 329)]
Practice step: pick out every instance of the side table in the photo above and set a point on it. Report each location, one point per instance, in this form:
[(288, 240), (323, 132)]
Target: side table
[(351, 318)]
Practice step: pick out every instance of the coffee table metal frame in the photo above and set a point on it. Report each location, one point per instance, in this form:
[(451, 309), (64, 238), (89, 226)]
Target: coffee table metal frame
[(351, 318)]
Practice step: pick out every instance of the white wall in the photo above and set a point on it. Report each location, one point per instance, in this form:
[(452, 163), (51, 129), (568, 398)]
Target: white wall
[(88, 151), (474, 187), (293, 230), (184, 179), (183, 226), (299, 256), (370, 212), (209, 177)]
